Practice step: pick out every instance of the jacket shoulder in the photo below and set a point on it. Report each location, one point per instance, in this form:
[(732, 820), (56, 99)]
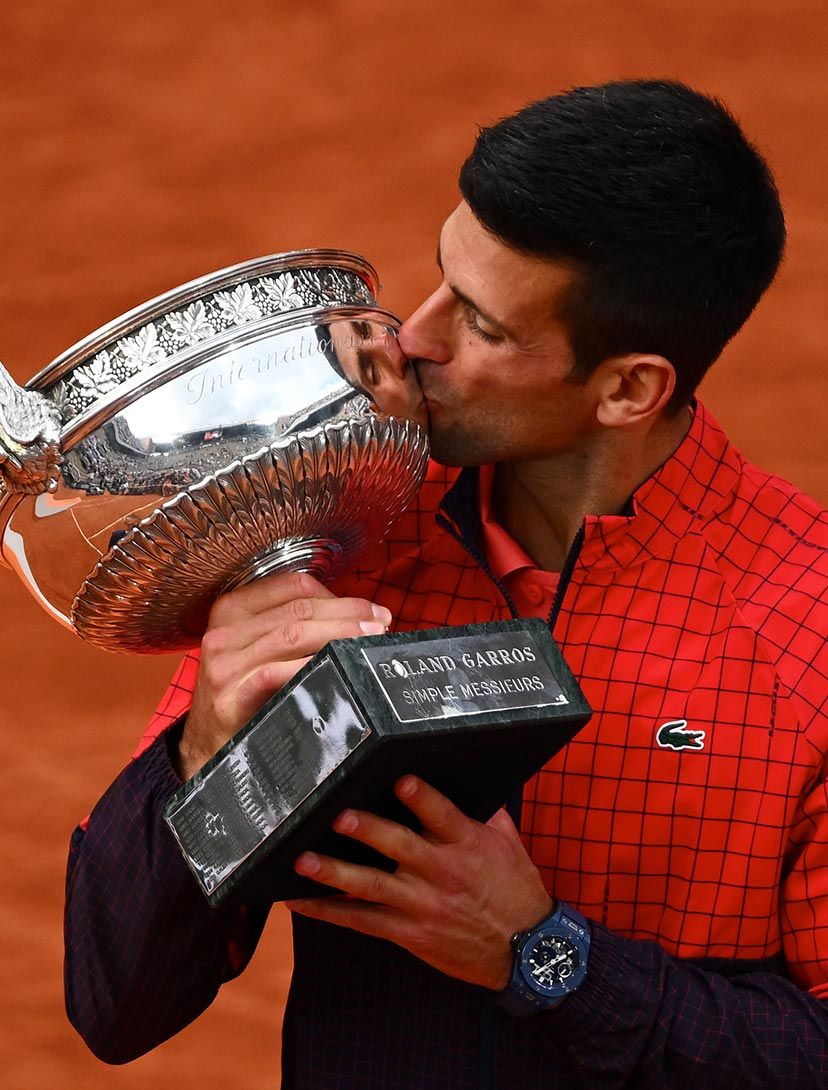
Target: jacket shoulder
[(771, 546), (772, 530)]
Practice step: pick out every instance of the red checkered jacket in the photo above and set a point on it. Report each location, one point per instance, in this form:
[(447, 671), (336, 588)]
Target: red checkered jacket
[(688, 821)]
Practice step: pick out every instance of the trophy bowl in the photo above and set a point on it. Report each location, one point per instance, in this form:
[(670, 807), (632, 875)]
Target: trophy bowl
[(259, 419)]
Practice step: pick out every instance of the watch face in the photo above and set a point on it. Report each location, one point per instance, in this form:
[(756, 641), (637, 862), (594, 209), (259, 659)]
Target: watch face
[(551, 962)]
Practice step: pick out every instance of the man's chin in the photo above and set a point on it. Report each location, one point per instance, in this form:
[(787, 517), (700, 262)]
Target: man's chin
[(449, 448)]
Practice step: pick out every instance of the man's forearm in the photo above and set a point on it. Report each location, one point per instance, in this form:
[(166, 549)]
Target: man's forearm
[(644, 1018), (145, 954)]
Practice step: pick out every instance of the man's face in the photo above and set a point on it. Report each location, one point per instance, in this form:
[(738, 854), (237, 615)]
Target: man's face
[(491, 357)]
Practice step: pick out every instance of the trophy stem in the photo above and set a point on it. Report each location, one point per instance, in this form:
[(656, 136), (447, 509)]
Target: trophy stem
[(319, 556)]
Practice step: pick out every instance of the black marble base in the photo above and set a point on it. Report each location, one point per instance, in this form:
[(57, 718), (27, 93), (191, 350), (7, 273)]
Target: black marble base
[(474, 710)]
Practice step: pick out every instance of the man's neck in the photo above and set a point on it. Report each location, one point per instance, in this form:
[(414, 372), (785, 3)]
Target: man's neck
[(542, 503)]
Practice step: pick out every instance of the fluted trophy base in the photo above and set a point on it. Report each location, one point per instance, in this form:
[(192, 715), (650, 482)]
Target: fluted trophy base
[(311, 502), (318, 556)]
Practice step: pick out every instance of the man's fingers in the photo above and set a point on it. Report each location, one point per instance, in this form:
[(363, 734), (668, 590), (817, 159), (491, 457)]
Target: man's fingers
[(504, 824), (365, 883), (296, 639), (370, 919), (438, 815), (235, 631), (259, 636), (265, 593), (301, 610), (391, 839)]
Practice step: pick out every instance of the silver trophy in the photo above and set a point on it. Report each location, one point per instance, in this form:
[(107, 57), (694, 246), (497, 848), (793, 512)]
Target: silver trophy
[(218, 433), (259, 420)]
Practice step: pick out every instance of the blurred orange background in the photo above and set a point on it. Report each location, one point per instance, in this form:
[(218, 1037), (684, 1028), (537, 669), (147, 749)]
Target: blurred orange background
[(145, 144)]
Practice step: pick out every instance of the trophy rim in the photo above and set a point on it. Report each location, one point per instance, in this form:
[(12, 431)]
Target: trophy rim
[(140, 315), (79, 427)]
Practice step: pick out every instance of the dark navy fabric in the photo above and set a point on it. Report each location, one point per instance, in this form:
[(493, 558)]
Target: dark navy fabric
[(145, 955)]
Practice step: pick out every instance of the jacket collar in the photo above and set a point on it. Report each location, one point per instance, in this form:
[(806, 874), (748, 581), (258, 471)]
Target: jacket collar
[(697, 480)]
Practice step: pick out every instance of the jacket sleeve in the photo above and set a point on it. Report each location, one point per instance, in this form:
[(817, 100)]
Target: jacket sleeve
[(145, 953), (643, 1018)]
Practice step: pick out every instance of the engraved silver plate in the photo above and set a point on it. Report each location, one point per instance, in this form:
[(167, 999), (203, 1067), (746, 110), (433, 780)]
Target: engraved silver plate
[(249, 792)]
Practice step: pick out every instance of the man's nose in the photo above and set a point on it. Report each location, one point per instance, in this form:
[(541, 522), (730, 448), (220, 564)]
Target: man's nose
[(388, 358), (424, 334), (388, 378)]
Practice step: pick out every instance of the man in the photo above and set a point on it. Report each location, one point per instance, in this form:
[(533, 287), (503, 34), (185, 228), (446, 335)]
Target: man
[(670, 883)]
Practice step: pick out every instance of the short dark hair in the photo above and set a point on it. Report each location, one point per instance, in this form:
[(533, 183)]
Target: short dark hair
[(651, 192)]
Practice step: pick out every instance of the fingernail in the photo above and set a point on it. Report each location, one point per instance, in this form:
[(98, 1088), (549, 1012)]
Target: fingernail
[(382, 614), (408, 785), (346, 822), (307, 863), (372, 628)]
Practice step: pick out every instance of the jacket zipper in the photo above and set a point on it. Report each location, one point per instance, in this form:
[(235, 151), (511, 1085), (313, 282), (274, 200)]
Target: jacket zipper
[(566, 575), (486, 1041), (475, 555), (566, 571)]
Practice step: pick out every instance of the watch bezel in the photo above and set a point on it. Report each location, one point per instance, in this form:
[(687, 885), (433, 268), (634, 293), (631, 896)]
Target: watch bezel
[(564, 923), (523, 995), (563, 987)]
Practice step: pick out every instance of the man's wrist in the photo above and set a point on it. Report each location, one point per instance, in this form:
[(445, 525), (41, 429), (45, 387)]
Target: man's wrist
[(543, 911), (172, 740), (190, 754), (188, 761), (184, 758)]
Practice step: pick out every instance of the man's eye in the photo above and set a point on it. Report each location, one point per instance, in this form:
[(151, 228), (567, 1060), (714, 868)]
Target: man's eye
[(367, 367), (471, 321)]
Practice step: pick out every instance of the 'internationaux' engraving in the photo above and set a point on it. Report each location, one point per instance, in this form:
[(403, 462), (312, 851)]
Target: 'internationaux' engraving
[(172, 333), (206, 382)]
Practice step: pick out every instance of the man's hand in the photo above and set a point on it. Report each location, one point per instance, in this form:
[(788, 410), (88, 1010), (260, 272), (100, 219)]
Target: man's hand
[(257, 638), (460, 892)]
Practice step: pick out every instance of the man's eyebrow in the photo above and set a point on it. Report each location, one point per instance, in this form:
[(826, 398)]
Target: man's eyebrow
[(470, 302)]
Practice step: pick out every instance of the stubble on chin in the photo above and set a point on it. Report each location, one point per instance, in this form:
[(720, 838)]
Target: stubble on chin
[(460, 446), (458, 436)]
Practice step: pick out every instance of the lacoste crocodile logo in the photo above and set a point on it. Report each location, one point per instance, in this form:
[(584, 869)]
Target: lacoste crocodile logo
[(676, 735)]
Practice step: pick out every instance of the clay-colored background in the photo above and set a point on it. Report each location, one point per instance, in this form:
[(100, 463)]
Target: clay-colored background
[(146, 143)]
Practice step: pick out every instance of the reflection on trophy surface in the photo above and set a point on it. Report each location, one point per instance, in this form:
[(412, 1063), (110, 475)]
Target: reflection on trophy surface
[(260, 419)]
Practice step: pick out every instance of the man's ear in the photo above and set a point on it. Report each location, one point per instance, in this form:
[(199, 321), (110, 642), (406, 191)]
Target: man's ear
[(631, 389)]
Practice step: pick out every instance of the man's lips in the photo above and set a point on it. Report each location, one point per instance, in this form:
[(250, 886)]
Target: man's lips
[(429, 399)]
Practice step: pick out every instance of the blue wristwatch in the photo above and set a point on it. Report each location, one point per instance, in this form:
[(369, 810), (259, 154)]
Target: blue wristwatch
[(550, 962)]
